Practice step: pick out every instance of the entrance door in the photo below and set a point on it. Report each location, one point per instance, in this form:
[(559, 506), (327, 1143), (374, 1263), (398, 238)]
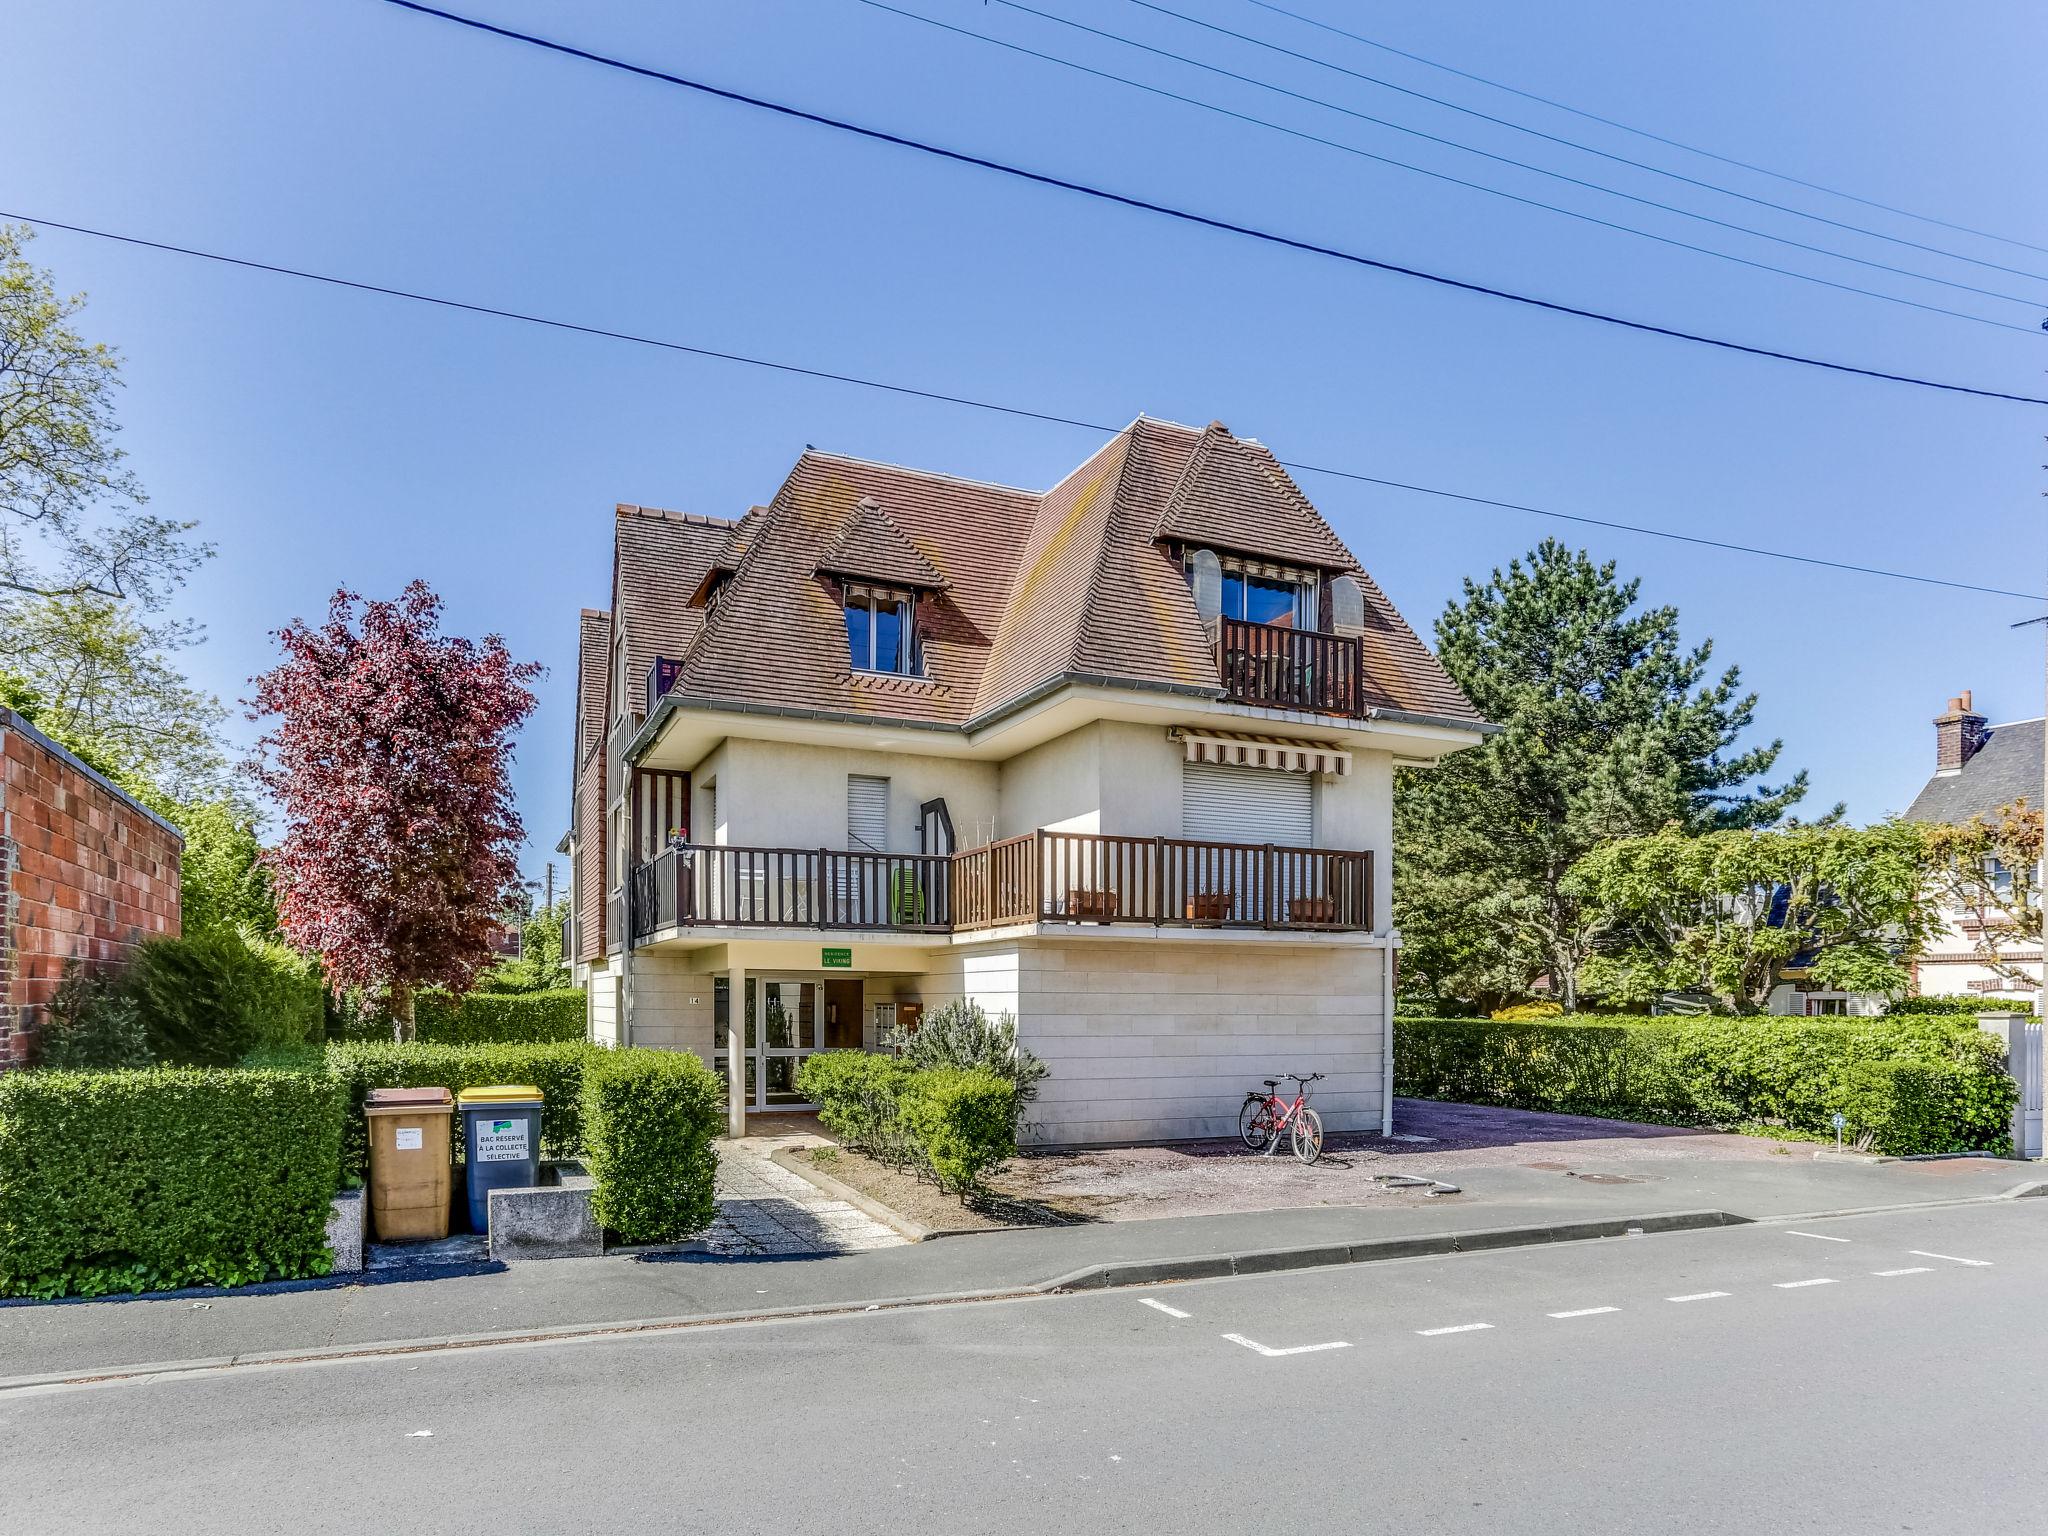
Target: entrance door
[(791, 1025)]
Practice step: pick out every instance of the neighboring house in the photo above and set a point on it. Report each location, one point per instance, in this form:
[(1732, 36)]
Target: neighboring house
[(85, 872), (1116, 758), (1979, 769)]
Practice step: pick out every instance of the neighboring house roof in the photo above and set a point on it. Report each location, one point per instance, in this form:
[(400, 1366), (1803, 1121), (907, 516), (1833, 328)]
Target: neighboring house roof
[(2007, 767), (593, 636), (872, 548), (1017, 589)]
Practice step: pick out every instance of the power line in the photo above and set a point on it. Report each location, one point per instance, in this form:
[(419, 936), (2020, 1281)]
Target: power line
[(1201, 220), (1552, 138), (1459, 181), (944, 397), (1645, 133)]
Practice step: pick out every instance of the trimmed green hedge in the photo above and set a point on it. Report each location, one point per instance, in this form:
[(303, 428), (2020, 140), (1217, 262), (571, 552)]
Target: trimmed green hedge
[(648, 1122), (1972, 1004), (481, 1018), (964, 1119), (556, 1070), (1917, 1085), (149, 1180), (955, 1123), (501, 1017), (857, 1093)]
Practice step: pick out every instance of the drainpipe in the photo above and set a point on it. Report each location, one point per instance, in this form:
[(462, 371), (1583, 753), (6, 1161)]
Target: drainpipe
[(1389, 943)]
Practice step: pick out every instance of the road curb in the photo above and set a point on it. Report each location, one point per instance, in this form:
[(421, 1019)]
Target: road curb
[(1267, 1261)]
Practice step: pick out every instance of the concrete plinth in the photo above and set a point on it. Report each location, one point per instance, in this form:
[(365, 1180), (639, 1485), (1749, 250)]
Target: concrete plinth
[(551, 1220)]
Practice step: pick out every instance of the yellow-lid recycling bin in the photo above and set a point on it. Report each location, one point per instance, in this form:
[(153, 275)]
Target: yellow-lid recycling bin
[(409, 1156), (501, 1139)]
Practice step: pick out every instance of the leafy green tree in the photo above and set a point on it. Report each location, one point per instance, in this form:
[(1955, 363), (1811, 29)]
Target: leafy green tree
[(100, 676), (1730, 912), (224, 882), (71, 523), (1608, 727), (1987, 869)]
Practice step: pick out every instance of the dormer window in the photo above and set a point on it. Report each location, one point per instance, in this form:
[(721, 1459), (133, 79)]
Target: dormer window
[(881, 630), (1253, 592)]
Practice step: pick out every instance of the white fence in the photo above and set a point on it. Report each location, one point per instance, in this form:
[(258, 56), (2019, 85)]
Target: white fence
[(2024, 1059)]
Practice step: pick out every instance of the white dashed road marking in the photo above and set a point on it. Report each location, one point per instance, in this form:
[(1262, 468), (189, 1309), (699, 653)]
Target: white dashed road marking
[(1698, 1296), (1921, 1253), (1819, 1237), (1430, 1333), (1160, 1306), (1300, 1349), (1586, 1312), (1917, 1269), (1793, 1285)]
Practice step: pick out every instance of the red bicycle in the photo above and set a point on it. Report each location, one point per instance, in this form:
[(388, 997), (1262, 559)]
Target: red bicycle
[(1266, 1115)]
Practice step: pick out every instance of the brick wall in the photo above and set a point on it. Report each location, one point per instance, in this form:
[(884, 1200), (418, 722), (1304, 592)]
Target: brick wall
[(84, 871)]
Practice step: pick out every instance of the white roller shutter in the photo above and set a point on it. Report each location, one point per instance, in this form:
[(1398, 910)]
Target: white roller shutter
[(867, 813), (1247, 805)]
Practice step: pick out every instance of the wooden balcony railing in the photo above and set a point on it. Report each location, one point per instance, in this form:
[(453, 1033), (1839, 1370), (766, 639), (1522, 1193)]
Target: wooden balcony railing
[(1085, 877), (1302, 669), (1041, 877), (715, 885)]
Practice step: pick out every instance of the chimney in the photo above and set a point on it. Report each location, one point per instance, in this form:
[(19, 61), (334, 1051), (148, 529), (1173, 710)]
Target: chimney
[(1958, 733)]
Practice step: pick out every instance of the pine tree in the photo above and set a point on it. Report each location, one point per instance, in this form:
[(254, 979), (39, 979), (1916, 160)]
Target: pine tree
[(1608, 727)]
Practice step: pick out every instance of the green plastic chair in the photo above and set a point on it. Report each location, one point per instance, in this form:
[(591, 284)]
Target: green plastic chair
[(906, 899)]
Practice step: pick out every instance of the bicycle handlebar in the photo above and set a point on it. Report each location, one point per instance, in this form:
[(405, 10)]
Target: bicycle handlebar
[(1313, 1077)]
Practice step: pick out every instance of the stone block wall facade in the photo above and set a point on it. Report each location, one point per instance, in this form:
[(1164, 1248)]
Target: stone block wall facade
[(85, 872)]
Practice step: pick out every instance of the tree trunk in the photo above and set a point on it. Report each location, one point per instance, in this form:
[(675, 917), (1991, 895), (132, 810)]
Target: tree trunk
[(399, 1001)]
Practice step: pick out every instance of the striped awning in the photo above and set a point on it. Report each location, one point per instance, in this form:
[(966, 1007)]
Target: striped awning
[(1281, 752)]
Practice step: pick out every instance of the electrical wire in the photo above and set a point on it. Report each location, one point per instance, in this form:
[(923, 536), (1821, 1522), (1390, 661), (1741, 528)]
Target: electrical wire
[(1558, 139), (2038, 306), (969, 402), (1201, 220), (1644, 133)]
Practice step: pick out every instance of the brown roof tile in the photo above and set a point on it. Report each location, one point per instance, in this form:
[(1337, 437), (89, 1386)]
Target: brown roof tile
[(1017, 588), (872, 548)]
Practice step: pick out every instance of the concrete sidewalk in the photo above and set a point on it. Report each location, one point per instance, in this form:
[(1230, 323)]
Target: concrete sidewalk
[(81, 1337)]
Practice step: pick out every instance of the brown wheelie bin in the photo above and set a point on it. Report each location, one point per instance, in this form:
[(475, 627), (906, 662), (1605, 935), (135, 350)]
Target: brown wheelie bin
[(409, 1175)]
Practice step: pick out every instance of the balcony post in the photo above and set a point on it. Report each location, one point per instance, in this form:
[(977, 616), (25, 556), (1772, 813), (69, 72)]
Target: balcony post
[(1158, 881), (1272, 901), (819, 883)]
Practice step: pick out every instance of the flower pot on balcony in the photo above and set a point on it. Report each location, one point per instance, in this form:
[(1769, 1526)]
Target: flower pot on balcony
[(1092, 906), (1320, 910), (1210, 906)]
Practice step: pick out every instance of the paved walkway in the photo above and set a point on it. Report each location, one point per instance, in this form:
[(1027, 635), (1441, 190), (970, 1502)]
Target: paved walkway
[(765, 1211)]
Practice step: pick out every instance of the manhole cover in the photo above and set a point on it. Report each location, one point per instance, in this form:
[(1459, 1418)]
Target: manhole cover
[(1609, 1178)]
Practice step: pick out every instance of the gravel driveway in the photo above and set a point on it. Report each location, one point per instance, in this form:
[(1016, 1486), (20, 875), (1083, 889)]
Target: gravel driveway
[(1207, 1177)]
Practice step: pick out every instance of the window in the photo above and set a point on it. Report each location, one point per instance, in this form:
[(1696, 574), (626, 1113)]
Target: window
[(1282, 601), (880, 634), (1827, 1007), (867, 813)]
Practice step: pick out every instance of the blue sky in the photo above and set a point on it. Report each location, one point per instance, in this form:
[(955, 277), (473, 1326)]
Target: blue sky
[(324, 438)]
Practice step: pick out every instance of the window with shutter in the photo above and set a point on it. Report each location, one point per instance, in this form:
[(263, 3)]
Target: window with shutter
[(867, 813), (1227, 804)]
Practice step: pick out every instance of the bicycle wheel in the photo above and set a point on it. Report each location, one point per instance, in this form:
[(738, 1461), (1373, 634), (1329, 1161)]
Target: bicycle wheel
[(1308, 1135), (1255, 1123)]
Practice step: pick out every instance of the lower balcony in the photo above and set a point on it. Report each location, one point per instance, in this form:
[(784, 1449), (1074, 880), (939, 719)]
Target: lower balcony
[(1040, 877)]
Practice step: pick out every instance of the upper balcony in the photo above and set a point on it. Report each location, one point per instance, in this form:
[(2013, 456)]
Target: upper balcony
[(1040, 877), (1284, 668)]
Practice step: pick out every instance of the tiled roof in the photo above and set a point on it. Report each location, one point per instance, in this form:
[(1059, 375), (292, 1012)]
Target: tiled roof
[(1017, 588), (2006, 768), (592, 639), (1235, 496), (871, 547), (662, 558)]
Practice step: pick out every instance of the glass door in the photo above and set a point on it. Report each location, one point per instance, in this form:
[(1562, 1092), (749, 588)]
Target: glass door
[(791, 1025)]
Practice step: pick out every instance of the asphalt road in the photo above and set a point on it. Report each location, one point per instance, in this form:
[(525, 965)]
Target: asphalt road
[(1879, 1373)]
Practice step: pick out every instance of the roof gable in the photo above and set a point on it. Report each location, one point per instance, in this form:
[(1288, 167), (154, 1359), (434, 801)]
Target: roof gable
[(871, 547), (1235, 496)]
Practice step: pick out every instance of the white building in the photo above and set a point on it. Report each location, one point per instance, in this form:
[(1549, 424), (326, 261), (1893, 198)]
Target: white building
[(1116, 758), (1979, 770)]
